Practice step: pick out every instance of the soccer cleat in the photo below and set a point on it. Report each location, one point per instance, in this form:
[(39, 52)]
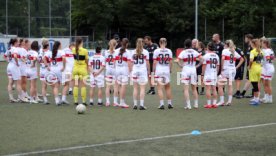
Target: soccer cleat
[(24, 100), (162, 107), (33, 102), (100, 104), (214, 106), (142, 108), (124, 106), (228, 104), (135, 107), (65, 102), (39, 100), (84, 103), (220, 104), (70, 92), (76, 103), (196, 106), (107, 104), (255, 103), (46, 103), (13, 100), (59, 103), (202, 93), (188, 108), (240, 96), (91, 104), (207, 106), (115, 105), (170, 106), (249, 96), (151, 92)]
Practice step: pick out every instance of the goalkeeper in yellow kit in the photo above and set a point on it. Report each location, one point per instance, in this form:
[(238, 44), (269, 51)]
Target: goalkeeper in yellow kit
[(80, 70)]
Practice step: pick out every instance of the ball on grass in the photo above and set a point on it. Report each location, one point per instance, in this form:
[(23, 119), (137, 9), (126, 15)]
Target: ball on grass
[(81, 108)]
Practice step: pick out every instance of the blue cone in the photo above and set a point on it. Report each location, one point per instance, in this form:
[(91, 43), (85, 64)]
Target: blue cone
[(196, 132)]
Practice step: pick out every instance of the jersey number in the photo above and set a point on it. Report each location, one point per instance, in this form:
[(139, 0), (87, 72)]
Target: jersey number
[(28, 59), (96, 64), (164, 59), (138, 59), (110, 62), (190, 59), (231, 58), (213, 63)]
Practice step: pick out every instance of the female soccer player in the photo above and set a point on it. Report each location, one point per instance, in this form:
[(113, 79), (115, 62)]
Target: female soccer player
[(139, 73), (57, 66), (110, 72), (80, 70), (210, 68), (267, 70), (22, 63), (70, 65), (188, 74), (228, 72), (162, 67), (122, 70), (43, 70), (13, 71), (96, 68), (255, 69), (32, 70)]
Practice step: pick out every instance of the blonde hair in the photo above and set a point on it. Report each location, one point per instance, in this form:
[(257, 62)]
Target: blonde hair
[(257, 44), (163, 41), (139, 46), (112, 45), (267, 42), (230, 44)]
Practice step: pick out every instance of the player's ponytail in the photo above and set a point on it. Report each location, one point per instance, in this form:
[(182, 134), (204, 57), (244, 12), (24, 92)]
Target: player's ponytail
[(35, 46), (55, 49), (13, 41), (230, 44), (163, 41), (78, 44), (256, 43), (112, 44), (124, 46), (139, 46)]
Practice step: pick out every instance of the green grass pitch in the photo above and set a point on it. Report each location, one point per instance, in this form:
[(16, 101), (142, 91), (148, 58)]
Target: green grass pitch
[(27, 128)]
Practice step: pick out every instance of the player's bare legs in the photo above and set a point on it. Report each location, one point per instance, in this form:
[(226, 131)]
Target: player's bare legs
[(91, 95), (116, 94), (169, 95), (187, 96), (135, 94), (160, 95), (195, 95)]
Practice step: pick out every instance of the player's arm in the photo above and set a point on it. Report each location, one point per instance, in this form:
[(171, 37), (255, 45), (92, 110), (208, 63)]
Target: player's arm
[(203, 69), (34, 61), (63, 63), (200, 61), (240, 63), (171, 64), (86, 60), (45, 61), (222, 62), (251, 60), (16, 59)]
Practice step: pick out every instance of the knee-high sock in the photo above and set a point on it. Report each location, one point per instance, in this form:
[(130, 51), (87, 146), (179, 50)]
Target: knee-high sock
[(76, 94), (83, 94)]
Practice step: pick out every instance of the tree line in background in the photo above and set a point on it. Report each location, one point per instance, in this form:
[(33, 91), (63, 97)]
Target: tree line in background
[(173, 19)]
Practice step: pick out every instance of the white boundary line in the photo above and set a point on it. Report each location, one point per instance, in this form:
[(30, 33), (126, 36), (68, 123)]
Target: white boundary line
[(138, 140)]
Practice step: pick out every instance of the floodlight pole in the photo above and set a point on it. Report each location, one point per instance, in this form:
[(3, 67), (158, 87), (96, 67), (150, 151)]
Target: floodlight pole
[(70, 20), (29, 18), (196, 19), (7, 27), (50, 22)]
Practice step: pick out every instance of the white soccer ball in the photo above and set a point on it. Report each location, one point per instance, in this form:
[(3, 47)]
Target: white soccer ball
[(81, 109)]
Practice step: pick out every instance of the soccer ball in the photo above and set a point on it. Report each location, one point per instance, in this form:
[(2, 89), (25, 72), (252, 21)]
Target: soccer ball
[(81, 109)]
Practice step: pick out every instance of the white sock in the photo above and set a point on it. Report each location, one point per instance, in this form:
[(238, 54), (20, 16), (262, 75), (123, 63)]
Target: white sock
[(214, 101), (63, 98), (116, 99), (266, 96), (135, 102), (230, 98), (208, 102), (100, 100), (91, 101), (107, 100), (188, 103), (122, 101), (169, 102), (57, 99), (269, 97), (11, 96), (70, 89), (31, 98), (221, 99), (45, 99), (142, 103), (161, 102), (196, 102)]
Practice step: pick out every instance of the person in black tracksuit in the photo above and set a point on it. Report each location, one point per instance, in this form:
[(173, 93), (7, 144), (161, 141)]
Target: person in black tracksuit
[(239, 73), (248, 38), (150, 47), (201, 51), (219, 47)]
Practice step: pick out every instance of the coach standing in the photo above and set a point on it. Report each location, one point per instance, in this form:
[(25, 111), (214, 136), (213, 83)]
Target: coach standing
[(219, 46), (150, 47)]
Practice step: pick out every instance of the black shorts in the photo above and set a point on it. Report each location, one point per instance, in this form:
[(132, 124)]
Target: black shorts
[(247, 74), (199, 70), (239, 73), (151, 62)]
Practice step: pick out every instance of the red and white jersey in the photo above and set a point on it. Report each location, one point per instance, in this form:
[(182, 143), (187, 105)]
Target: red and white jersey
[(11, 53), (121, 60), (23, 54), (230, 58), (211, 60), (268, 58), (163, 58), (109, 59), (57, 62), (189, 57), (41, 55), (139, 62), (96, 62), (30, 59), (69, 57)]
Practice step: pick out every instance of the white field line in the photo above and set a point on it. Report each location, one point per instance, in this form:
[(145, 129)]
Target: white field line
[(138, 140)]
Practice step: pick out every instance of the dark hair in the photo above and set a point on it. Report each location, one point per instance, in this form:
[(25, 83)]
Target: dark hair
[(188, 43), (55, 49), (72, 45), (148, 38), (13, 41), (201, 44), (21, 40), (211, 46), (26, 41), (35, 46), (78, 43), (124, 45), (249, 36), (98, 50)]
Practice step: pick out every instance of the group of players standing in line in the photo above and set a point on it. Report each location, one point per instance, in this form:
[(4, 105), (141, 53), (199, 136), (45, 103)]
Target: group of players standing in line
[(219, 64)]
